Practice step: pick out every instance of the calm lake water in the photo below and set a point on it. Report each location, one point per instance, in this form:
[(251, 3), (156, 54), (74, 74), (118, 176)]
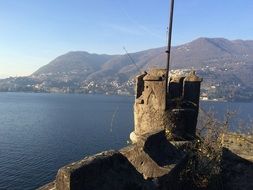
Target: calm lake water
[(39, 133)]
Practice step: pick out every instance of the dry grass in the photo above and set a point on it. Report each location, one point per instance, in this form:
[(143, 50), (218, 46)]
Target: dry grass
[(204, 165)]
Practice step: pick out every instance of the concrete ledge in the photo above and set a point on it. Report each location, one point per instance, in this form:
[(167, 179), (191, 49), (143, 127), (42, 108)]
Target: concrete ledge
[(154, 156), (49, 186), (108, 170), (150, 164)]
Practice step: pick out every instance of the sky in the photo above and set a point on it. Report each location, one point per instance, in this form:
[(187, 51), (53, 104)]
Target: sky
[(34, 32)]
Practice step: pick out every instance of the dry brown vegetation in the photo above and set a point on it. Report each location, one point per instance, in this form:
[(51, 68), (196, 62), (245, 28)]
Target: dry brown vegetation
[(219, 158)]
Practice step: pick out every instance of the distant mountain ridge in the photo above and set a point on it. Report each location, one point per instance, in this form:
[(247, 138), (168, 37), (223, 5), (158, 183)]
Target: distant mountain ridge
[(218, 60), (199, 53)]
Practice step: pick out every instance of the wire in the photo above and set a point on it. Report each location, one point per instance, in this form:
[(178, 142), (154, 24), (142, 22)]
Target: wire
[(132, 60)]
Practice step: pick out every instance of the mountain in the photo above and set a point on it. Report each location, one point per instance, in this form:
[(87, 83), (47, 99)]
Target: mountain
[(78, 62), (198, 54), (219, 61), (97, 67)]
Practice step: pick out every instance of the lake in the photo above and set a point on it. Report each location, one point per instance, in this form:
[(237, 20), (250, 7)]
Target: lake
[(39, 133)]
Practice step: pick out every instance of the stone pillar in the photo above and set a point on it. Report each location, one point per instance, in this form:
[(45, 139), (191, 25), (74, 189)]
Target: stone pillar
[(192, 88), (184, 109), (149, 108), (176, 87)]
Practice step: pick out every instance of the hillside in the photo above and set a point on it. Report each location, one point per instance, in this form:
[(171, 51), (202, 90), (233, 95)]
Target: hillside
[(219, 61)]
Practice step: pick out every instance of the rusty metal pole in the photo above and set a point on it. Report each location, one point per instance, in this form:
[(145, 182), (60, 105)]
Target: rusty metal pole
[(168, 51)]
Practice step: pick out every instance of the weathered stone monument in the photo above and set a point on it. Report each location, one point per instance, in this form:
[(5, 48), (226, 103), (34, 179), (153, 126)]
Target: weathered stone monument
[(176, 110)]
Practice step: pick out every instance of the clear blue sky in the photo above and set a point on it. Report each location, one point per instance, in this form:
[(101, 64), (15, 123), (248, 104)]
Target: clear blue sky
[(33, 32)]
